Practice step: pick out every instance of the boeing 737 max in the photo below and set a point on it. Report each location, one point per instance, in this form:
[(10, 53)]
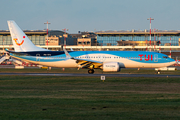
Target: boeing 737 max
[(108, 61)]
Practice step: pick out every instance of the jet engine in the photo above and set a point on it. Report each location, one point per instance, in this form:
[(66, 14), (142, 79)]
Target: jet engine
[(111, 67)]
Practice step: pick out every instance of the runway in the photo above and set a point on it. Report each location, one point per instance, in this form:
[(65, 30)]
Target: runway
[(91, 75)]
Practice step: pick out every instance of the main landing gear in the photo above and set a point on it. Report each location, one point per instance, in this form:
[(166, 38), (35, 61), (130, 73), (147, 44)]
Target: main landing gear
[(158, 72), (91, 71)]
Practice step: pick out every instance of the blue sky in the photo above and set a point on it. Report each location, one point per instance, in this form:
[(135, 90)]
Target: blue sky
[(91, 15)]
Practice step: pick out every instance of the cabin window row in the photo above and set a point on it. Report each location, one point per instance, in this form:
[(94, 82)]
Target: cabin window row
[(97, 57)]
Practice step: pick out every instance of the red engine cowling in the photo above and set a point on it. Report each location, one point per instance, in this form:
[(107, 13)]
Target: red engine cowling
[(111, 67)]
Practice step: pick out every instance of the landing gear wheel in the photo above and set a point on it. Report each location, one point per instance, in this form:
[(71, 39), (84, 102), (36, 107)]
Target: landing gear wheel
[(90, 71), (158, 72)]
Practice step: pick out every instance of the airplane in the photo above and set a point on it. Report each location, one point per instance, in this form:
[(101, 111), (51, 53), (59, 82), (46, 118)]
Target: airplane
[(108, 61)]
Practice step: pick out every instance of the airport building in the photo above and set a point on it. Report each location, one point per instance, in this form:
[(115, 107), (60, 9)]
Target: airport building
[(100, 40), (85, 38), (106, 38), (39, 38)]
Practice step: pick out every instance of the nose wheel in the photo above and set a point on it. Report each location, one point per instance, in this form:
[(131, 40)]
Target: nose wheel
[(91, 71)]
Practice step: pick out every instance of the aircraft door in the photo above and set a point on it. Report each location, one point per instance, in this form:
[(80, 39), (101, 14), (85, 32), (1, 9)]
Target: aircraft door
[(38, 57), (101, 58), (155, 57)]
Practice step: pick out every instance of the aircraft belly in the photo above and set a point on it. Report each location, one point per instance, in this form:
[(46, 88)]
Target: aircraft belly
[(65, 64), (61, 64)]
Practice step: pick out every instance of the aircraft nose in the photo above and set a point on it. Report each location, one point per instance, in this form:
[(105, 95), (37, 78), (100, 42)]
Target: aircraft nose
[(171, 60)]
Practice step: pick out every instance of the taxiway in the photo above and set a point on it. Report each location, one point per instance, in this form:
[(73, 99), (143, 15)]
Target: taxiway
[(91, 75)]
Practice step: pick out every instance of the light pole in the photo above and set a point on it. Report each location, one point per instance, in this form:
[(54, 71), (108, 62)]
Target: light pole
[(170, 47), (47, 33), (154, 39), (3, 46), (160, 43), (65, 36), (150, 30)]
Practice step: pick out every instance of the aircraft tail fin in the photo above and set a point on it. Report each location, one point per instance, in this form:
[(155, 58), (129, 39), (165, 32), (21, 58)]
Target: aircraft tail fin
[(20, 41)]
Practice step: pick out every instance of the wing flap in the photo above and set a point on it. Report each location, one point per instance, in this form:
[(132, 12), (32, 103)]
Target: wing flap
[(87, 63)]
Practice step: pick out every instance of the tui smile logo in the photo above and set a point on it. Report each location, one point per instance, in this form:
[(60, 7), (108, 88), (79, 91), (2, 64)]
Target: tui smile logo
[(19, 44)]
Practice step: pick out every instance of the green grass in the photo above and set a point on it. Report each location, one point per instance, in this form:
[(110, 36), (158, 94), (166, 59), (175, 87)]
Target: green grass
[(79, 98)]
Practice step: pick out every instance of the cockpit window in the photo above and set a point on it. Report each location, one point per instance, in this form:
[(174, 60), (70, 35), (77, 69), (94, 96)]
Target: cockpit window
[(165, 57)]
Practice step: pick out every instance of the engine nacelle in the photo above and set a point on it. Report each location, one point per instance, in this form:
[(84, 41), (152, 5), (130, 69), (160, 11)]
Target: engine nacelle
[(111, 67)]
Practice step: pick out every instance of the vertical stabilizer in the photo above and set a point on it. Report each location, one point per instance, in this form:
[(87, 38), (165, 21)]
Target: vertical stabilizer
[(20, 41)]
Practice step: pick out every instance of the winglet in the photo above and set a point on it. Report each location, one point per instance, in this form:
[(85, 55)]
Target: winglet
[(67, 54), (72, 49)]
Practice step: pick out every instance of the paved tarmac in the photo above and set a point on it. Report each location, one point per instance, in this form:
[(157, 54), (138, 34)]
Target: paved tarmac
[(92, 75), (84, 75)]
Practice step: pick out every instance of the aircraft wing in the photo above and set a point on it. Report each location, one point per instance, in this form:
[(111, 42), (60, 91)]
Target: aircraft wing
[(88, 60), (88, 63), (84, 63)]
